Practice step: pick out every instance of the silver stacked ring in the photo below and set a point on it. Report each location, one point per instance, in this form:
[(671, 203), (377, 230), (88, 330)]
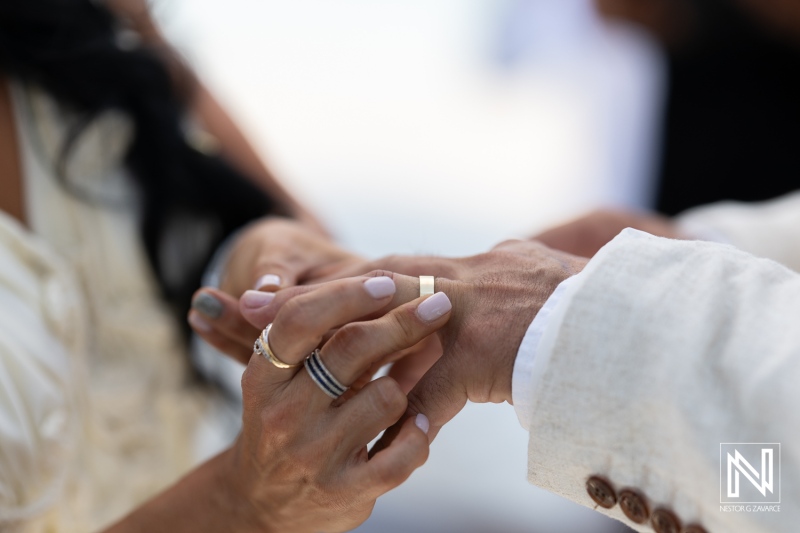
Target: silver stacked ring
[(323, 377)]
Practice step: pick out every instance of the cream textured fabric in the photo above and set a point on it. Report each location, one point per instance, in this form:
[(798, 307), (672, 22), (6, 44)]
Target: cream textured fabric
[(96, 414), (766, 229), (660, 351), (41, 381)]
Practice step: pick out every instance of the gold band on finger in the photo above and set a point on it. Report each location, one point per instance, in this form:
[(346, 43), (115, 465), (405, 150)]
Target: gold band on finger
[(262, 347), (425, 286)]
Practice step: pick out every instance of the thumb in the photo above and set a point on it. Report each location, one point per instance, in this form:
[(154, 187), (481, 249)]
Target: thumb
[(271, 276), (415, 363), (440, 395)]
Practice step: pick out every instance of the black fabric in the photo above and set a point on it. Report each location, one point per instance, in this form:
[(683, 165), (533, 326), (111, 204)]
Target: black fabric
[(71, 49), (732, 124)]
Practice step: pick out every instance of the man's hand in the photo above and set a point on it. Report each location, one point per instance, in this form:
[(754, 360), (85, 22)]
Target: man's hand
[(584, 236), (272, 254), (495, 297), (277, 253)]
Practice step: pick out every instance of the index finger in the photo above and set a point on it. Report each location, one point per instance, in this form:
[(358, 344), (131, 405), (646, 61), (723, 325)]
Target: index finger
[(303, 321), (260, 316)]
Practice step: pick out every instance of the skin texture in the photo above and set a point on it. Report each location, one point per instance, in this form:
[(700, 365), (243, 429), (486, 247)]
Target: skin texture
[(301, 462), (495, 297), (290, 251), (585, 236), (284, 248), (299, 256)]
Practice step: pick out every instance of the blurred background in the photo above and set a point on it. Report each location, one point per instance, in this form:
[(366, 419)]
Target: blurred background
[(433, 126), (412, 127), (441, 126), (446, 126)]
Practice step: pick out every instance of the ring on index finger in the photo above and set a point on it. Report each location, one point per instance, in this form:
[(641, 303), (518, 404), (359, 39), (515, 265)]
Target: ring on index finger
[(262, 347)]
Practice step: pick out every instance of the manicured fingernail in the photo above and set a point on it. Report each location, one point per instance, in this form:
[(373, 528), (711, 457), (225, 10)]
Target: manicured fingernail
[(380, 287), (199, 323), (207, 305), (257, 299), (270, 280), (434, 307), (422, 423)]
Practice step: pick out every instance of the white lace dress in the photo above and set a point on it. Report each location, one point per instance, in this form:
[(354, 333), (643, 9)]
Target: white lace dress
[(97, 410)]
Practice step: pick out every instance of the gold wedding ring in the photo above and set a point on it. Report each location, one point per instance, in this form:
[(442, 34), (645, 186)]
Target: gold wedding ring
[(262, 347), (425, 286)]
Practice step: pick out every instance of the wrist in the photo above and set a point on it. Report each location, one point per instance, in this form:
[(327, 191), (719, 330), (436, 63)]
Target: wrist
[(492, 314), (234, 500), (204, 500)]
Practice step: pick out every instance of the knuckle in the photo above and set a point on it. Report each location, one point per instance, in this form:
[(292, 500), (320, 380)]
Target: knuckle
[(249, 385), (391, 474), (388, 476), (509, 243), (403, 329), (344, 290), (433, 400), (278, 428), (349, 339), (389, 398), (294, 318), (379, 273), (257, 393)]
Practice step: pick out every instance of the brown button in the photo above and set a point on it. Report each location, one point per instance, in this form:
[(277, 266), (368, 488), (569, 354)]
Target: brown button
[(694, 529), (634, 506), (664, 521), (601, 492)]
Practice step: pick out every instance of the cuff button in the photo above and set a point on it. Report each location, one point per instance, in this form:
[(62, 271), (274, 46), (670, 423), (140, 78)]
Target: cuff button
[(664, 521), (601, 492), (634, 506)]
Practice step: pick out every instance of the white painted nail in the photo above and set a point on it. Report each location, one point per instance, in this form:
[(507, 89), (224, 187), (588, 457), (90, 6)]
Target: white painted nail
[(257, 299), (434, 307), (422, 423), (380, 287), (268, 280)]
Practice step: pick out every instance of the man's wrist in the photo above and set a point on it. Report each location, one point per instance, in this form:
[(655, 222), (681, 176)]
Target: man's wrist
[(532, 356), (565, 268)]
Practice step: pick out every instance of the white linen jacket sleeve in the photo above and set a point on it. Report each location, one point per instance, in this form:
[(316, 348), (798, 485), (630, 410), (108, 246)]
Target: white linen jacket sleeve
[(657, 353), (766, 229)]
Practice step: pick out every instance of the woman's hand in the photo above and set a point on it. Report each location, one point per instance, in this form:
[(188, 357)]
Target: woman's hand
[(495, 297), (301, 462), (270, 255)]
